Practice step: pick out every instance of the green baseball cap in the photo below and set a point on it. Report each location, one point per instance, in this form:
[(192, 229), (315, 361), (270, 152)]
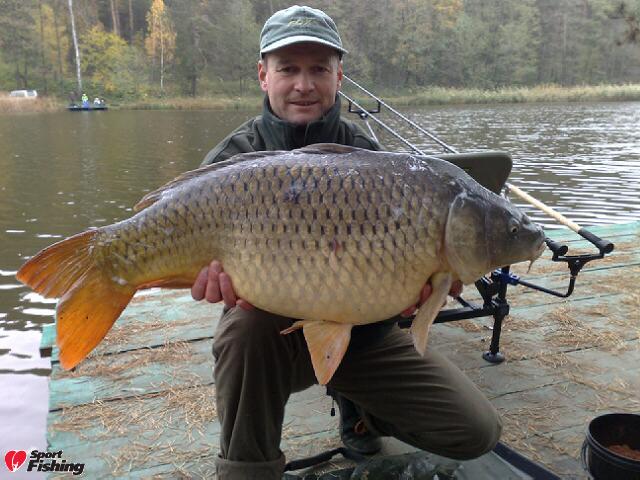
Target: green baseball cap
[(298, 24)]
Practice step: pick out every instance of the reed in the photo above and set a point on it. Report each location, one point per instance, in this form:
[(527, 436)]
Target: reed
[(19, 105), (196, 103), (425, 96), (540, 93)]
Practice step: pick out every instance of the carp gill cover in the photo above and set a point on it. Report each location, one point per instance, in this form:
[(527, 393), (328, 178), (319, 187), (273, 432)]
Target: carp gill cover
[(331, 235)]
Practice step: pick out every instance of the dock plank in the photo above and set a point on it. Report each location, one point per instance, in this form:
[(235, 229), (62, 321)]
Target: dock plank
[(566, 362), (138, 433), (112, 376)]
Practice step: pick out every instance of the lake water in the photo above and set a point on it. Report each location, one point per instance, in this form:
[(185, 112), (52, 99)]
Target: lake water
[(61, 173)]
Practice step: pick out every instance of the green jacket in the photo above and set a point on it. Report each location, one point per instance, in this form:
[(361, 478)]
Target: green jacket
[(268, 132)]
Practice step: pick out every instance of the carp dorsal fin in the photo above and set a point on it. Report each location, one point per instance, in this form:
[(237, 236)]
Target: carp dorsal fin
[(155, 195), (328, 148)]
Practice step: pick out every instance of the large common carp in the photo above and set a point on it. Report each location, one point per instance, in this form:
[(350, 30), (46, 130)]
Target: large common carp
[(334, 236)]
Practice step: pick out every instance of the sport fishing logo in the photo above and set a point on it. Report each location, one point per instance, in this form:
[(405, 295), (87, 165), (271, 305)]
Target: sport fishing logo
[(41, 462), (15, 459)]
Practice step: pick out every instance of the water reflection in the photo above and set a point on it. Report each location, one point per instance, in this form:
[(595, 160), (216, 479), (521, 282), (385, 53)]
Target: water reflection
[(581, 159)]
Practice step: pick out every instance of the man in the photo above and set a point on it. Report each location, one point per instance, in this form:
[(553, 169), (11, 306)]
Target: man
[(383, 386)]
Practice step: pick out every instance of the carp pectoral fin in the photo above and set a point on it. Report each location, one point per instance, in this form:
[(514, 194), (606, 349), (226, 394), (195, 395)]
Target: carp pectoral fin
[(441, 284), (296, 326), (327, 343)]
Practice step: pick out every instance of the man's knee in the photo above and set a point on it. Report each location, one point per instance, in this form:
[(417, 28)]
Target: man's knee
[(479, 435), (462, 438)]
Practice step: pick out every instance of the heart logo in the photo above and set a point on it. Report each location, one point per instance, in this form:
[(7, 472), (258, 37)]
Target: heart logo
[(15, 459)]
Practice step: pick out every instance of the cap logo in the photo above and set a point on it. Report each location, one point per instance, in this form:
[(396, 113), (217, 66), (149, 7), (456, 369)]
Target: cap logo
[(301, 22)]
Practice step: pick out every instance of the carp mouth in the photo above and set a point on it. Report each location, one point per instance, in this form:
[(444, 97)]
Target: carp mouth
[(537, 254)]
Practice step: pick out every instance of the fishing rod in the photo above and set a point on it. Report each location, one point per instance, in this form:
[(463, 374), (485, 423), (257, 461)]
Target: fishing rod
[(494, 287), (602, 245), (381, 102), (575, 262)]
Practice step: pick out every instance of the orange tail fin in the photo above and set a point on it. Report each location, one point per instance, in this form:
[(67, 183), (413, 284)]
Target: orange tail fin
[(91, 301)]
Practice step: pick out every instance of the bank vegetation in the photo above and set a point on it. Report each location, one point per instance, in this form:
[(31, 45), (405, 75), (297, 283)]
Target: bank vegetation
[(437, 51), (415, 97)]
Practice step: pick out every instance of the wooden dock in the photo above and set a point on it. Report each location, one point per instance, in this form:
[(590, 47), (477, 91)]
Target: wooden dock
[(142, 406)]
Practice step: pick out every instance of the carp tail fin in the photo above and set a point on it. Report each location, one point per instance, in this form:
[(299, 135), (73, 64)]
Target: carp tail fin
[(90, 302), (54, 270), (441, 284), (86, 313)]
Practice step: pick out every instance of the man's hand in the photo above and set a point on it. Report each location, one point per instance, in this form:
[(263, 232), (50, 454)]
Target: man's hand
[(214, 285), (425, 293)]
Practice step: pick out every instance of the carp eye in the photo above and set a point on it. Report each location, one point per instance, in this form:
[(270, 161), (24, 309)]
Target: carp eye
[(513, 227)]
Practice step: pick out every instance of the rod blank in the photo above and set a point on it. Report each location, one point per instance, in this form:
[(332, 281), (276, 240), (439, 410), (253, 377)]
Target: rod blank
[(548, 210), (603, 245)]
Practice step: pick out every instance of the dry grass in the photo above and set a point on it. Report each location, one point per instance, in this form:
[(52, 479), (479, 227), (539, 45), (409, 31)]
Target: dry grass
[(129, 333), (27, 105), (573, 332), (533, 430), (472, 326), (125, 365), (191, 408), (540, 267), (530, 420), (179, 413), (220, 102), (138, 454), (540, 93)]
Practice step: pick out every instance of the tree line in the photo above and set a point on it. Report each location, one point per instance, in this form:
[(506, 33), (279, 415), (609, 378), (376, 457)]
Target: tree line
[(137, 48)]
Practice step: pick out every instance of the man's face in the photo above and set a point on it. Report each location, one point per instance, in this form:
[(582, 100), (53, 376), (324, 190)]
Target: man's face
[(301, 81)]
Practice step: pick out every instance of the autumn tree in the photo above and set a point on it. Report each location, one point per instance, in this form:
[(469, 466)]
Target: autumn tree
[(112, 66), (161, 39)]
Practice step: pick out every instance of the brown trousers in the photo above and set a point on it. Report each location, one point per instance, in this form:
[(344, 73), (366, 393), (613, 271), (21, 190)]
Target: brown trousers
[(425, 401)]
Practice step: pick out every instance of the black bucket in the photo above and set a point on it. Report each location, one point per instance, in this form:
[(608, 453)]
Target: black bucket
[(606, 431)]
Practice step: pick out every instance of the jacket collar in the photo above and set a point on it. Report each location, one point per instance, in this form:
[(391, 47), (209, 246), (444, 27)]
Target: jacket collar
[(282, 135)]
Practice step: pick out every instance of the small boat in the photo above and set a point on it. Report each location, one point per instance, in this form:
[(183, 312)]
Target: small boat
[(89, 107)]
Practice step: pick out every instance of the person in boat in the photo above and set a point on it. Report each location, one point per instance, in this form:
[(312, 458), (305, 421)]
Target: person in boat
[(97, 102), (428, 402), (85, 100)]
